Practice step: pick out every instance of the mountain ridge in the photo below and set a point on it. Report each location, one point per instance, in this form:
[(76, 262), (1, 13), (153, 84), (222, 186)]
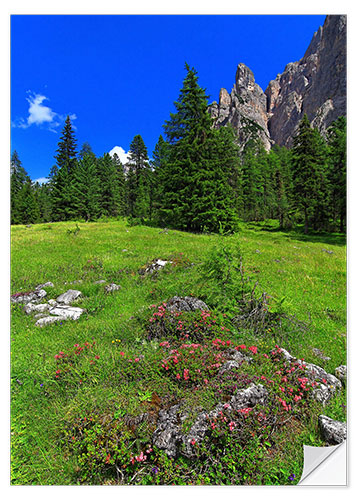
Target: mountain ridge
[(315, 85)]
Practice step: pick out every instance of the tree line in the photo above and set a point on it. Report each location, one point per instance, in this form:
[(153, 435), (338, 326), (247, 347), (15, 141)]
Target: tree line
[(198, 179)]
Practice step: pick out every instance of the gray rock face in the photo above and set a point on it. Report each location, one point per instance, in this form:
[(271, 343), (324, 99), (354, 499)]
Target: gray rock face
[(245, 108), (68, 297), (315, 85), (186, 304), (333, 431)]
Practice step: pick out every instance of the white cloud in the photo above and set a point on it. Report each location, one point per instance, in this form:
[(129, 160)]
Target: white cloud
[(41, 180), (39, 114), (123, 156)]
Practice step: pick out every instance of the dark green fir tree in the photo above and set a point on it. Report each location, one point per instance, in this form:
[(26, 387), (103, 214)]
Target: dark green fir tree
[(197, 194)]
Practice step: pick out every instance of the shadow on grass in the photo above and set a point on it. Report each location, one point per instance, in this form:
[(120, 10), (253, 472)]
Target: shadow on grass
[(297, 233)]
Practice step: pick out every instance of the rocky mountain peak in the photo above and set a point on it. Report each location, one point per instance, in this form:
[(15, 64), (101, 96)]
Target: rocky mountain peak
[(315, 85)]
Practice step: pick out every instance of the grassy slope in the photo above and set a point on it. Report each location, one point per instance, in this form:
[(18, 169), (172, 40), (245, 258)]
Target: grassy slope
[(312, 280)]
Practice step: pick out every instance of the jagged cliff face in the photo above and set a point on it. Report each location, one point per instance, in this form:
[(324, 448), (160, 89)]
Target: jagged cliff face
[(245, 108), (315, 85)]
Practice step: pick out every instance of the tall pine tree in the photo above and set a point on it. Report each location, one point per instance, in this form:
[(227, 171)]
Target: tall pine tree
[(197, 194), (139, 180), (62, 174), (309, 175), (337, 170)]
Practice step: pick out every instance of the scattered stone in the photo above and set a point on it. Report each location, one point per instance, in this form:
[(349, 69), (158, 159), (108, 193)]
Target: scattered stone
[(164, 231), (68, 297), (52, 302), (45, 285), (185, 304), (26, 297), (99, 282), (333, 431), (258, 251), (327, 251), (47, 320), (320, 354), (39, 308), (67, 312), (155, 265), (112, 288), (341, 373), (124, 250)]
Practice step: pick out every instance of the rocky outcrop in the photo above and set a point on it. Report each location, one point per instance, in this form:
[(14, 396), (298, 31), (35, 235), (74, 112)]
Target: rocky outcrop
[(315, 85), (52, 311), (245, 108), (333, 431), (170, 437), (185, 304), (326, 384)]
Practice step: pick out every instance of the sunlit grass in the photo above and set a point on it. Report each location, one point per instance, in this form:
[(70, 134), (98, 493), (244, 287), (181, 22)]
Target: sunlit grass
[(309, 273)]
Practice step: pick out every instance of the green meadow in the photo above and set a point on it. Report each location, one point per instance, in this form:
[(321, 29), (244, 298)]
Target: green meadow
[(72, 415)]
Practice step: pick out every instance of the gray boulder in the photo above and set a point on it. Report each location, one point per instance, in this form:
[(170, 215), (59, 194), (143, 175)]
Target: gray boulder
[(26, 297), (68, 297), (341, 373), (169, 436), (47, 320), (327, 384), (185, 304), (112, 287), (38, 308), (67, 312), (333, 431)]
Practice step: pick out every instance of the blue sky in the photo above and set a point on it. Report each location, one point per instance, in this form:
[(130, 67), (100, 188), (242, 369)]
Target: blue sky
[(118, 76)]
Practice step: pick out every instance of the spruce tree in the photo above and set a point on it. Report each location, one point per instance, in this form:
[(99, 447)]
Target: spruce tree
[(85, 188), (279, 159), (18, 179), (120, 180), (62, 174), (197, 195), (158, 163), (139, 179), (109, 187), (337, 170), (309, 175)]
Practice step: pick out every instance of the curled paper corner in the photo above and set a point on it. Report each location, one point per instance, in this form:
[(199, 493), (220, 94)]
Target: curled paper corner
[(325, 466)]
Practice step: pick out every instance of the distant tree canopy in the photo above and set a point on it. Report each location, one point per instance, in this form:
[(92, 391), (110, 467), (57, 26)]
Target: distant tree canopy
[(198, 178)]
